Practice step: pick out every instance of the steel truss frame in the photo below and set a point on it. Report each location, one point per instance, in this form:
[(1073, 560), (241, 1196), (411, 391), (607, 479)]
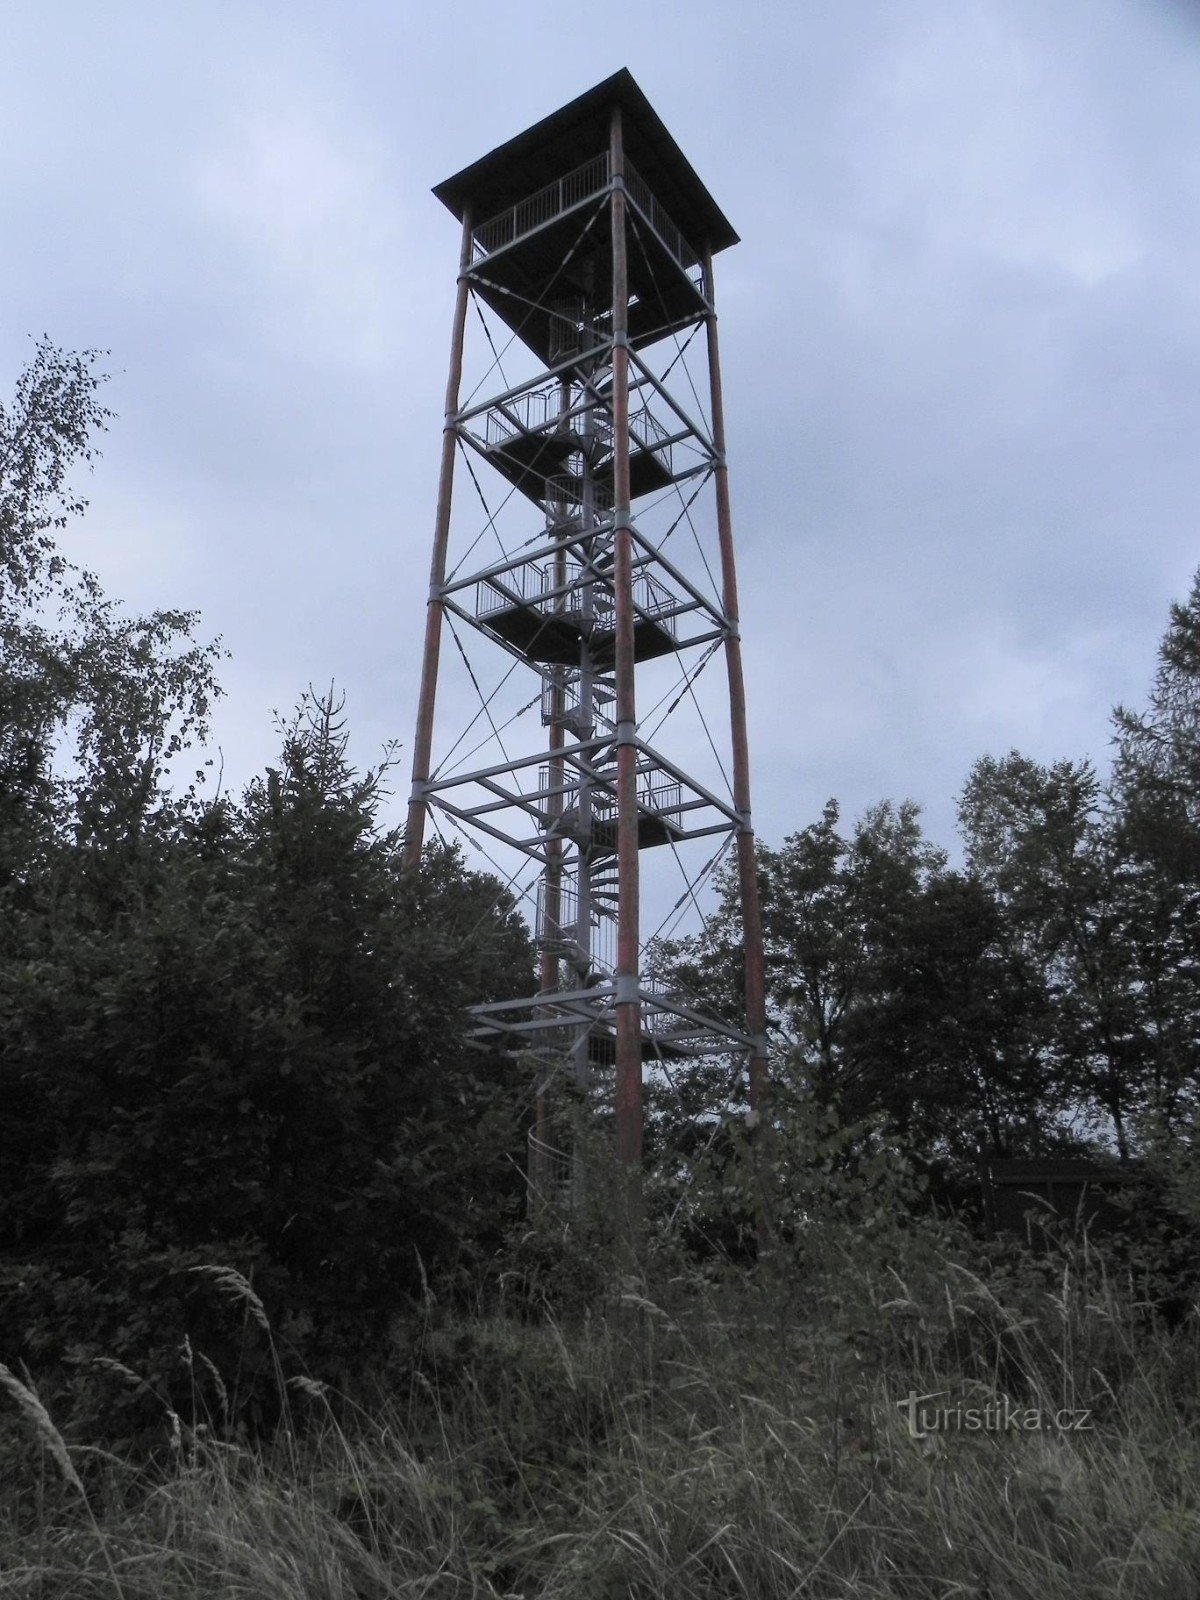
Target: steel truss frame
[(592, 431)]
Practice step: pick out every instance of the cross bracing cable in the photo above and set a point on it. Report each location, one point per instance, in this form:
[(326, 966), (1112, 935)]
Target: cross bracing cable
[(711, 743), (691, 385), (491, 520), (475, 681), (685, 681), (661, 499), (685, 515), (537, 305), (679, 350), (689, 893), (475, 749), (441, 770), (522, 893), (497, 364), (488, 514)]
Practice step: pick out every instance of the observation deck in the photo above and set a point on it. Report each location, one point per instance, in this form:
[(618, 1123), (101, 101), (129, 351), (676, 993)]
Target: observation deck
[(547, 611), (539, 201), (528, 439), (594, 828)]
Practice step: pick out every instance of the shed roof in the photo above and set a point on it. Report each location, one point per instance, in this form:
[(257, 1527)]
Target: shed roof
[(569, 137)]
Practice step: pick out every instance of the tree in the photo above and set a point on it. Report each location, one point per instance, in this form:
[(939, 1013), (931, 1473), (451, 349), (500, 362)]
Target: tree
[(895, 991), (232, 1032), (1157, 770), (950, 1046), (1155, 795), (1101, 923), (94, 705)]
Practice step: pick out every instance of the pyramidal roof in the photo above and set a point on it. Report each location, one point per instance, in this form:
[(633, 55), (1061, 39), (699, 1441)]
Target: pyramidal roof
[(572, 135)]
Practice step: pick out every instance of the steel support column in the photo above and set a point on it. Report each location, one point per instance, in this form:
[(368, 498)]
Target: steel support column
[(414, 836), (549, 965), (756, 1009), (628, 1009)]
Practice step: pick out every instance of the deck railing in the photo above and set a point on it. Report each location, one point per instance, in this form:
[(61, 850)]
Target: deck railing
[(540, 588), (667, 1025), (651, 600), (539, 411), (657, 793), (535, 410), (550, 1169), (559, 795), (571, 190), (523, 585), (668, 233), (563, 501), (589, 179)]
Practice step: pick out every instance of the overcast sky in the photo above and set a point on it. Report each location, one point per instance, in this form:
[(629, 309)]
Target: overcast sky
[(961, 338)]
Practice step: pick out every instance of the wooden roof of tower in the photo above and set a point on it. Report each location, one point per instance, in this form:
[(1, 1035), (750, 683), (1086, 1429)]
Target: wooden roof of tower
[(569, 137)]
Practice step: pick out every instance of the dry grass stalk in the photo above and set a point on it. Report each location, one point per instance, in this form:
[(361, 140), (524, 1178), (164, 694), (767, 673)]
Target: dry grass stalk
[(232, 1283), (309, 1386), (35, 1412), (120, 1370)]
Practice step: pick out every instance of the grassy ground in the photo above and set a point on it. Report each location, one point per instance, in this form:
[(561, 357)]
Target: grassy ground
[(741, 1437)]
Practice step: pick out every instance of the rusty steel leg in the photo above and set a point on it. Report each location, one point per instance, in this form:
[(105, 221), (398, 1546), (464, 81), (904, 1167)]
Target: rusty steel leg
[(752, 934), (550, 963), (628, 1008), (414, 835)]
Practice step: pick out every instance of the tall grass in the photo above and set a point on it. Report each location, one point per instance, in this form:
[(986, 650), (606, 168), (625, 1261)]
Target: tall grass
[(739, 1437)]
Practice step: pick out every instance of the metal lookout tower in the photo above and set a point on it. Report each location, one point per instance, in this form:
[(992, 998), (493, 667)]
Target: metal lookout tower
[(588, 558)]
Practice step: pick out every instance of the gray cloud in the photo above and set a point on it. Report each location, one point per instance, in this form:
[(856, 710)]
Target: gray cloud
[(961, 338)]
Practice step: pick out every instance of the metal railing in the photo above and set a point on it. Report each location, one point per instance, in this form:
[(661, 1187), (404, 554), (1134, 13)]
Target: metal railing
[(534, 410), (666, 990), (557, 926), (658, 794), (540, 411), (561, 697), (550, 1170), (669, 1027), (523, 585), (651, 600), (648, 431), (557, 793), (565, 495), (571, 331), (580, 184), (542, 207), (535, 586), (668, 233)]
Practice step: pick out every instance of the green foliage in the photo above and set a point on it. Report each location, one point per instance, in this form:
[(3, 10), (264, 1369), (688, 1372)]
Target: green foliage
[(1158, 758), (232, 1032), (895, 986), (258, 1063), (95, 705)]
